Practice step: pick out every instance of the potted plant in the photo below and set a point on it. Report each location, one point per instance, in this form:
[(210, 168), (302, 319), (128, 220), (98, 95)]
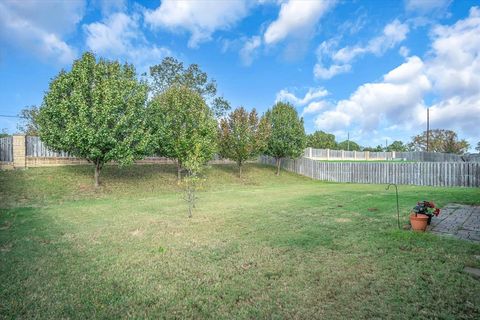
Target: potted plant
[(422, 214)]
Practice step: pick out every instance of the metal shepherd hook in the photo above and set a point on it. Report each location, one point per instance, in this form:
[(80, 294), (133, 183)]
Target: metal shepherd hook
[(398, 210)]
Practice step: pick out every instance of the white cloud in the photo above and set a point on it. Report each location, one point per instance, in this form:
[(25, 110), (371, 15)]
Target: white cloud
[(404, 51), (312, 94), (392, 99), (455, 73), (201, 18), (450, 73), (393, 33), (315, 107), (312, 101), (321, 72), (455, 67), (108, 7), (119, 36), (296, 18), (40, 26), (249, 49), (425, 6)]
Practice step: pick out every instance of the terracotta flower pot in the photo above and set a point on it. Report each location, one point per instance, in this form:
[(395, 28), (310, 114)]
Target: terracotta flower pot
[(418, 222)]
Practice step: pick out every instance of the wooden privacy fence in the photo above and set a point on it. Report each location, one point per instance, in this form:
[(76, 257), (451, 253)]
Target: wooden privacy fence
[(6, 149), (424, 156), (36, 148), (441, 174)]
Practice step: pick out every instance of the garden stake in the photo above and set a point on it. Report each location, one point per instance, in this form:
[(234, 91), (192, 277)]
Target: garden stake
[(398, 210)]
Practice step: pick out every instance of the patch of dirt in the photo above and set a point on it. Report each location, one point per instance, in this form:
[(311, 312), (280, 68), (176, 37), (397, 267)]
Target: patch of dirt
[(342, 220), (136, 232), (248, 265), (6, 225), (372, 209), (6, 248)]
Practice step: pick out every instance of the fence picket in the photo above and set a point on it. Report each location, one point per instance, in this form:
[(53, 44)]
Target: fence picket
[(461, 174)]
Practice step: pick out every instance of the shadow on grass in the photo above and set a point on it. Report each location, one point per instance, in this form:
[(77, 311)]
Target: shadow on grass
[(115, 172)]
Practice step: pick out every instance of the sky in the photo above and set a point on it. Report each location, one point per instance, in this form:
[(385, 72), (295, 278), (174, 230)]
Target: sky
[(369, 69)]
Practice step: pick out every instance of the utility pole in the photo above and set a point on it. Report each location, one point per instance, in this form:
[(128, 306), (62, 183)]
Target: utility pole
[(386, 144), (348, 141), (428, 127)]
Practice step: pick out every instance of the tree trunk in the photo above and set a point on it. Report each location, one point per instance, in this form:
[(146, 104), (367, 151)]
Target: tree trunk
[(278, 163), (98, 167), (240, 170), (179, 170)]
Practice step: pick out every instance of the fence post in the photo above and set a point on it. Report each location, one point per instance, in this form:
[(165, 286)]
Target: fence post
[(328, 154), (367, 155), (343, 154), (354, 154), (19, 152)]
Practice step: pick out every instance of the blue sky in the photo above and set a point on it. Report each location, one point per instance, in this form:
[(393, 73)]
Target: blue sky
[(368, 68)]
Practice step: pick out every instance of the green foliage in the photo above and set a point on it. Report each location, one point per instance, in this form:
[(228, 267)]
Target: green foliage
[(96, 112), (378, 148), (440, 140), (29, 125), (4, 133), (397, 145), (171, 72), (287, 135), (242, 136), (349, 145), (321, 140), (183, 127), (478, 147)]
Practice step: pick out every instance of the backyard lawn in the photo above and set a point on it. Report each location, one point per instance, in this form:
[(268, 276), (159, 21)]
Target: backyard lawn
[(258, 247)]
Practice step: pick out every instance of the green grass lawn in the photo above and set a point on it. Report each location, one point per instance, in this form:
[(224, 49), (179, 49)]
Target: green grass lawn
[(260, 247)]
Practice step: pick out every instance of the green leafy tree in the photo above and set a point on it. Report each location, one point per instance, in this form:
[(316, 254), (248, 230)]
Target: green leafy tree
[(321, 140), (194, 164), (287, 135), (172, 72), (181, 122), (378, 148), (4, 133), (398, 146), (96, 112), (440, 140), (29, 125), (349, 145), (241, 136)]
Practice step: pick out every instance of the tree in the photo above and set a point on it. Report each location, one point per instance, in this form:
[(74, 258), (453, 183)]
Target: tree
[(398, 146), (378, 148), (478, 147), (348, 145), (440, 140), (181, 123), (241, 136), (29, 125), (96, 112), (287, 134), (321, 140), (172, 72), (4, 133)]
